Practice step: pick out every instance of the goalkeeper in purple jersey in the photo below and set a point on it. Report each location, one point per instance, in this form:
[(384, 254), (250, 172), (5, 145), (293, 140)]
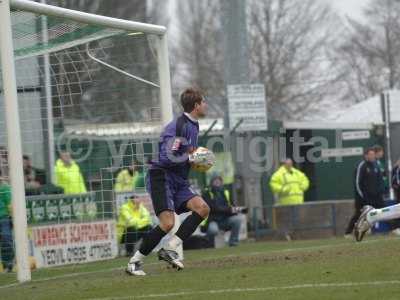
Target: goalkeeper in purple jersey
[(168, 185)]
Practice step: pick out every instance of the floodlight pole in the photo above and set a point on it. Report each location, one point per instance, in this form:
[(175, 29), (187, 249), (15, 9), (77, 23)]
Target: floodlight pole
[(14, 143), (388, 143)]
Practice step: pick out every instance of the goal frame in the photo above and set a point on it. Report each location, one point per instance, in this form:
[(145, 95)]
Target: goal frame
[(11, 100)]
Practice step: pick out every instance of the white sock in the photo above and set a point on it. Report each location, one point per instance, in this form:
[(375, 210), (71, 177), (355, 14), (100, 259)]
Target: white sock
[(384, 214), (137, 256), (173, 243)]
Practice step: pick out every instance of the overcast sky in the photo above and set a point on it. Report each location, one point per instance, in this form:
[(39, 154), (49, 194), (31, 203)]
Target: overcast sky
[(352, 8)]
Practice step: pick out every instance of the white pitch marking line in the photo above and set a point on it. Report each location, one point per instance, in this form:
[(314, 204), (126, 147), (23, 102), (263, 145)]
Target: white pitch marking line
[(209, 258), (68, 275), (257, 289)]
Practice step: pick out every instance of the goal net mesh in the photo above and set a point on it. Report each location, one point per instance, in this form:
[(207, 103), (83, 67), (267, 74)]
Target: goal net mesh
[(89, 105)]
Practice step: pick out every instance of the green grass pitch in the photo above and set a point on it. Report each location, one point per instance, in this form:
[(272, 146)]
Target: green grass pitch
[(320, 269)]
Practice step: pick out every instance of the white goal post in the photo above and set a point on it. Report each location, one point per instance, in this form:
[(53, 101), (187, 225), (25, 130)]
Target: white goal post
[(11, 100)]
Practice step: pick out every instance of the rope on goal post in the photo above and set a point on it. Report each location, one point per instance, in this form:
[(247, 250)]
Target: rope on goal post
[(119, 70)]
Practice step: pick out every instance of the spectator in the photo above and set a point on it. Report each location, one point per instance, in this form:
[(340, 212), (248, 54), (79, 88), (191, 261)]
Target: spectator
[(223, 215), (68, 175), (289, 184), (6, 237), (396, 180), (379, 156), (128, 179), (32, 184), (134, 221), (367, 186), (4, 161)]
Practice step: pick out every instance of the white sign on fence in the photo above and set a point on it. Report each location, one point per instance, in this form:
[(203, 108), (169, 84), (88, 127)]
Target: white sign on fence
[(72, 243), (247, 102), (341, 152), (355, 135)]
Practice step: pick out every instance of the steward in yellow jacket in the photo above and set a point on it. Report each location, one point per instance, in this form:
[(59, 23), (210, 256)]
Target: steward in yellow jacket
[(68, 175), (134, 221), (128, 179), (289, 184)]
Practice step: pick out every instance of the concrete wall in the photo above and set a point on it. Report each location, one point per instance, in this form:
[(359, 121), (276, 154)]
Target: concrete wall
[(312, 220)]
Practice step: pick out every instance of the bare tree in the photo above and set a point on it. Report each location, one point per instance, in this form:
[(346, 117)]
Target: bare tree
[(198, 51), (158, 12), (288, 40), (370, 54)]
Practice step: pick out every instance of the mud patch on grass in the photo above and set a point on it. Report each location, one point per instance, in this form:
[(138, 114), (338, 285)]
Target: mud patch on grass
[(301, 256)]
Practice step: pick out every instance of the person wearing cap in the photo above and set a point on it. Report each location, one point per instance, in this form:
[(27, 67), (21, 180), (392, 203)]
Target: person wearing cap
[(223, 215), (289, 184), (134, 221)]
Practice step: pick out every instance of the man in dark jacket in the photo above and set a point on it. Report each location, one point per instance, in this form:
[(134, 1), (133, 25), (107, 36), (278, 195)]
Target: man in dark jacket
[(223, 215), (380, 156), (367, 186), (396, 180)]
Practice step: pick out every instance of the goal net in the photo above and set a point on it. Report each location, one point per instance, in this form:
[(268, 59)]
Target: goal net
[(93, 93)]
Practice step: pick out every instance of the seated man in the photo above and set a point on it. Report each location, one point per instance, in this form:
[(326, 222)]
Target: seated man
[(222, 214), (34, 177), (133, 222)]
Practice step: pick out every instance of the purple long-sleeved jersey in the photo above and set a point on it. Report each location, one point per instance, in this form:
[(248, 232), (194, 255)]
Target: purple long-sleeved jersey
[(176, 141)]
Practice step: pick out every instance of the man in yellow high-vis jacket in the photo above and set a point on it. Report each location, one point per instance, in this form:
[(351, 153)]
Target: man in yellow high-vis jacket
[(128, 179), (289, 184), (68, 175), (134, 221)]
